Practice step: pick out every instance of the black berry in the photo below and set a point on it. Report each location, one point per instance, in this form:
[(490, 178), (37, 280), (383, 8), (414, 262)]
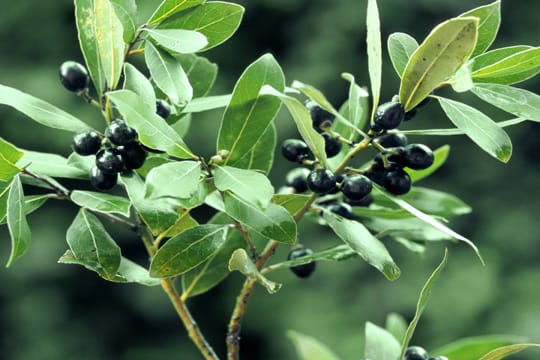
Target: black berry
[(418, 156), (74, 76), (163, 108), (389, 115), (332, 146), (320, 118), (101, 180), (364, 202), (297, 179), (86, 143), (341, 209), (321, 181), (305, 270), (392, 140), (337, 188), (356, 186), (109, 161), (119, 133), (416, 353), (133, 155), (294, 150), (397, 182)]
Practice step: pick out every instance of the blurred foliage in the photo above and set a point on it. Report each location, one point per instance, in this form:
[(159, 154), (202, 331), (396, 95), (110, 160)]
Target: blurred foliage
[(52, 311)]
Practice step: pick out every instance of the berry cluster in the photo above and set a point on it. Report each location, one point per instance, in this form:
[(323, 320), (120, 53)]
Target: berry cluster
[(305, 270), (418, 353)]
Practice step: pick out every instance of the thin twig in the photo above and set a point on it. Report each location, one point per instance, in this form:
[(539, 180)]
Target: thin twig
[(58, 190)]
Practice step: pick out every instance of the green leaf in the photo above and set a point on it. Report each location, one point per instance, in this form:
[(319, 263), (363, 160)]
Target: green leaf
[(249, 113), (40, 111), (217, 20), (374, 50), (422, 303), (490, 20), (31, 202), (9, 155), (200, 72), (396, 325), (433, 222), (170, 7), (473, 348), (186, 250), (140, 85), (158, 214), (183, 222), (364, 243), (440, 154), (291, 202), (380, 344), (207, 103), (261, 156), (358, 108), (456, 131), (480, 128), (519, 102), (436, 203), (308, 348), (51, 165), (303, 122), (90, 243), (240, 261), (168, 75), (249, 185), (512, 69), (178, 179), (153, 130), (411, 228), (178, 40), (128, 271), (493, 56), (504, 351), (443, 52), (101, 202), (462, 80), (336, 253), (126, 10), (400, 48), (274, 222), (4, 193), (19, 231)]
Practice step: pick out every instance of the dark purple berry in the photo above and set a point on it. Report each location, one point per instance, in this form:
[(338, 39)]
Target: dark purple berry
[(109, 161), (321, 181), (163, 108), (74, 76), (418, 156), (392, 140), (364, 202), (389, 115), (102, 180), (297, 179), (356, 186), (119, 133), (341, 209), (133, 154), (86, 143), (305, 270), (416, 353), (320, 118), (337, 188), (294, 150), (332, 146), (397, 182)]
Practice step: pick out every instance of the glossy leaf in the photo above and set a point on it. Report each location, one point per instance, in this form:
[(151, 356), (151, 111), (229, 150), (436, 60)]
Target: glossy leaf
[(240, 261), (168, 8), (503, 352), (178, 40), (374, 51), (4, 193), (422, 303), (443, 52), (100, 202), (435, 202), (9, 155), (479, 128), (380, 344), (396, 325), (90, 243), (207, 103), (217, 20), (440, 154), (249, 113), (128, 271), (126, 10), (261, 156), (200, 72), (400, 48), (186, 250), (51, 165), (473, 348), (40, 111), (336, 253), (31, 203), (412, 229), (138, 83), (249, 185), (493, 56), (291, 202), (309, 348), (512, 69), (490, 20), (303, 122), (364, 243), (168, 75), (462, 80), (19, 231), (358, 107), (197, 198), (519, 102), (456, 131), (179, 179), (153, 131)]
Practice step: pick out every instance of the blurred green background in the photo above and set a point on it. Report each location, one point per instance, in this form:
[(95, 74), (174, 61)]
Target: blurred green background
[(50, 311)]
